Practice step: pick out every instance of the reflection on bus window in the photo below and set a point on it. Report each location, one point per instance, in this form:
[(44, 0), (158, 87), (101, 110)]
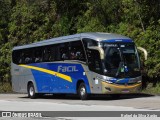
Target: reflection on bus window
[(77, 51), (38, 56), (112, 58)]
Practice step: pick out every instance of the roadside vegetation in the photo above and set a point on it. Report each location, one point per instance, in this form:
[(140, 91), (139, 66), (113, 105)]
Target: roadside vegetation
[(153, 90), (5, 87), (26, 21)]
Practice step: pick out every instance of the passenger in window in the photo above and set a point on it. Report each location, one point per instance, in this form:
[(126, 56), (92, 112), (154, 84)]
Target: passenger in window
[(21, 58), (37, 59), (20, 61), (27, 60), (72, 56), (64, 56), (49, 56), (78, 53)]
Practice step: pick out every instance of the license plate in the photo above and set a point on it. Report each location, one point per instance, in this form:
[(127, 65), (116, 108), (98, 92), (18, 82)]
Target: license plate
[(125, 91)]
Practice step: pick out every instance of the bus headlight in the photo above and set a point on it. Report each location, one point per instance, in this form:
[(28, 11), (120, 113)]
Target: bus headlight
[(107, 81), (139, 81), (135, 80)]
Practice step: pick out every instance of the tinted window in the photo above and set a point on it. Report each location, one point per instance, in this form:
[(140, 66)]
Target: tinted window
[(38, 54), (94, 61), (48, 53), (121, 60), (52, 53), (112, 58), (76, 51), (89, 42), (27, 58), (16, 56), (64, 51), (57, 52), (24, 56)]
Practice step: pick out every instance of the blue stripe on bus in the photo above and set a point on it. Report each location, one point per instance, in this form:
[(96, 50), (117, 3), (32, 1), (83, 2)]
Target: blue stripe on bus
[(47, 83), (118, 40)]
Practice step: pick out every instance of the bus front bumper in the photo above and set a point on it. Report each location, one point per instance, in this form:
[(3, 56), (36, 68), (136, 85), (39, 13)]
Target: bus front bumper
[(108, 88)]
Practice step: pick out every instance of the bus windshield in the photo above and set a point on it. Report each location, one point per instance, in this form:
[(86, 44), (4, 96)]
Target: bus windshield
[(121, 60)]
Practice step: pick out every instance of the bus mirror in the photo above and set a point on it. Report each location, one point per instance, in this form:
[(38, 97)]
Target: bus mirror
[(101, 51), (144, 51)]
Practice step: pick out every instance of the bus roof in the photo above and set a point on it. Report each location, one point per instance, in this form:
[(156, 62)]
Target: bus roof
[(99, 36)]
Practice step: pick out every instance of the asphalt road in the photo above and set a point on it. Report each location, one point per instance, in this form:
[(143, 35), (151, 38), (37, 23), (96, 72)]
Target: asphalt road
[(134, 102)]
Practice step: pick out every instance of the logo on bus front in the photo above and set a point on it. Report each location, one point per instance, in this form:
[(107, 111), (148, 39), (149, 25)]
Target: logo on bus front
[(67, 69)]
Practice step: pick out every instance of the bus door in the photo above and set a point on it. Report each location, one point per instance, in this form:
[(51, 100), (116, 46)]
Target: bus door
[(95, 67)]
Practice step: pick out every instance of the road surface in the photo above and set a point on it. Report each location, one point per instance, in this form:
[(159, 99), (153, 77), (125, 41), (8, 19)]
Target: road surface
[(134, 102)]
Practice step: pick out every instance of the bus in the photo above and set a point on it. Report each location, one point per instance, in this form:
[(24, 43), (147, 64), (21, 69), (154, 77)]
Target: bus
[(83, 64)]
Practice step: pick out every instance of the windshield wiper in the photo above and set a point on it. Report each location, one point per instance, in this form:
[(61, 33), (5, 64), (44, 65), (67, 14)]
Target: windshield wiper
[(120, 68)]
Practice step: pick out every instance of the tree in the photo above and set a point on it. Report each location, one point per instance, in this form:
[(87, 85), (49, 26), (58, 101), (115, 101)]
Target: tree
[(27, 21)]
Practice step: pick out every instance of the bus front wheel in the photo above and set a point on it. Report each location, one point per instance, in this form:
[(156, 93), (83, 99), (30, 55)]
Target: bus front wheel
[(82, 92), (31, 91)]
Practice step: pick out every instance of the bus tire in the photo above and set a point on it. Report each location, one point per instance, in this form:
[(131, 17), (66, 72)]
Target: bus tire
[(82, 92), (31, 91)]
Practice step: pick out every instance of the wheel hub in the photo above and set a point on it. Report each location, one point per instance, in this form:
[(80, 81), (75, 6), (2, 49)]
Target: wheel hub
[(31, 91), (82, 91)]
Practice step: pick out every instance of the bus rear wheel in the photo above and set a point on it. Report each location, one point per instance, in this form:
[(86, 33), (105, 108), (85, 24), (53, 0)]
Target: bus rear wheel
[(82, 92), (31, 91)]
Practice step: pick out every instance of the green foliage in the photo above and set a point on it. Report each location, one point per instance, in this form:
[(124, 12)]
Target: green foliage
[(31, 21), (5, 87), (152, 90), (27, 21)]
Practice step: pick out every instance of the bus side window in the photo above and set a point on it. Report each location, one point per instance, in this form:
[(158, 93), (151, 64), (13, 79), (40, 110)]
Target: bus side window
[(17, 56), (49, 53), (46, 54), (76, 51), (57, 52), (21, 57), (38, 55), (64, 51), (27, 56), (52, 54), (89, 42), (94, 61)]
